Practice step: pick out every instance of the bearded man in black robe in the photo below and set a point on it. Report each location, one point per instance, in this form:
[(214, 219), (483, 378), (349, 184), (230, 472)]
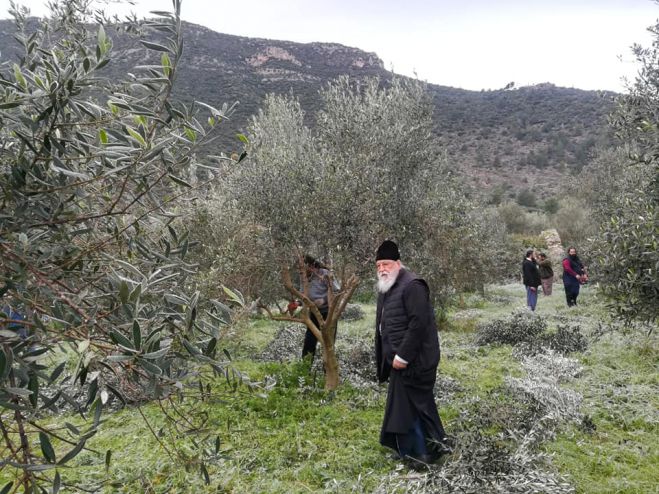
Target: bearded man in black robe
[(407, 354)]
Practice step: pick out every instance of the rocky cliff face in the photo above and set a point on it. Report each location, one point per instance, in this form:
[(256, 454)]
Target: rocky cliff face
[(274, 60)]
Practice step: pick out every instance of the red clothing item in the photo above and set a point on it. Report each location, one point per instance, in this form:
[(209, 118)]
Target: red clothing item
[(568, 268)]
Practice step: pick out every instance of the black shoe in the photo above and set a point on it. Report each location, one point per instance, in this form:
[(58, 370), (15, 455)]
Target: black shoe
[(419, 463), (395, 457), (442, 447)]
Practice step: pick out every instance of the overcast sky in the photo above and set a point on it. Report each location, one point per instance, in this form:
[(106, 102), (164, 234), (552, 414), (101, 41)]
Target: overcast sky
[(472, 44)]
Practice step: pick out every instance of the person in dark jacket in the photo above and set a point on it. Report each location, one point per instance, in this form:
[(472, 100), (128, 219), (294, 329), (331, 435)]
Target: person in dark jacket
[(407, 355), (546, 273), (531, 279), (574, 274)]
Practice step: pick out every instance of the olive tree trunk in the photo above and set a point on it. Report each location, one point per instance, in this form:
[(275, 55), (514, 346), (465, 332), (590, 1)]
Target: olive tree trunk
[(325, 331)]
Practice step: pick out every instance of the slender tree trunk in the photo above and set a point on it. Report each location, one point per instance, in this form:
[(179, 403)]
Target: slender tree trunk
[(325, 332), (25, 442), (330, 361)]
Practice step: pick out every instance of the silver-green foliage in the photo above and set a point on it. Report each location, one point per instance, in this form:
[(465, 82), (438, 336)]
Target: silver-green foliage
[(574, 220), (519, 327), (367, 170), (626, 247), (89, 171), (545, 372)]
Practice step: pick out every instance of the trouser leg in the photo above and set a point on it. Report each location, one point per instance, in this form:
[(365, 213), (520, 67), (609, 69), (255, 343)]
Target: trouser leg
[(531, 297), (309, 346), (575, 294), (310, 340), (413, 443), (571, 293), (547, 286)]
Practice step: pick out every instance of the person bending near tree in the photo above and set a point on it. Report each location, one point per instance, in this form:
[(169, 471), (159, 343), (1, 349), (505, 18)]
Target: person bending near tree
[(318, 279)]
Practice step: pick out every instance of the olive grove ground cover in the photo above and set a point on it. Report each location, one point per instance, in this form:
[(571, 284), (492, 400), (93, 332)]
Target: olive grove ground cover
[(591, 430)]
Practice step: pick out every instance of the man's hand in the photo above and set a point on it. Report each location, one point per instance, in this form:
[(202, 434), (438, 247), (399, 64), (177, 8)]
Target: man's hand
[(398, 364), (319, 302)]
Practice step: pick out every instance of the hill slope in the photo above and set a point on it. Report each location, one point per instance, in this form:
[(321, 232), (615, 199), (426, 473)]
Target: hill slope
[(529, 137)]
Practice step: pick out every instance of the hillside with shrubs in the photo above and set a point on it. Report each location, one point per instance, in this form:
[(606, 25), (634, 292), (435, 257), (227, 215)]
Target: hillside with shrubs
[(505, 140)]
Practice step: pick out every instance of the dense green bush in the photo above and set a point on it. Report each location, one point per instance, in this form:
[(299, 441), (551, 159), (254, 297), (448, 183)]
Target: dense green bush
[(574, 219), (232, 250), (520, 326), (526, 198), (353, 312), (90, 171), (520, 220)]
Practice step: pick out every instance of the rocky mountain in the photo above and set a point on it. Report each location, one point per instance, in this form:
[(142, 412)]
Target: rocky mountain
[(509, 139)]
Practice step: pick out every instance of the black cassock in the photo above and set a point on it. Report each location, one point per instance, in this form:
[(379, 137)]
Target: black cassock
[(407, 399), (410, 391)]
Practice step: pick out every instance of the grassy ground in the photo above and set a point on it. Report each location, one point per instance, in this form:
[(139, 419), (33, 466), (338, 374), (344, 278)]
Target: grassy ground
[(290, 436), (620, 389)]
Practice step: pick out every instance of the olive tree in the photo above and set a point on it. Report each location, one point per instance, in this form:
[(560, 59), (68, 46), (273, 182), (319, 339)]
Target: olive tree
[(367, 170), (90, 170), (574, 219), (626, 193)]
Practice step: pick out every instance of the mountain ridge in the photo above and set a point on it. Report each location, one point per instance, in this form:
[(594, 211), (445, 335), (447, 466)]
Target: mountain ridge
[(531, 137)]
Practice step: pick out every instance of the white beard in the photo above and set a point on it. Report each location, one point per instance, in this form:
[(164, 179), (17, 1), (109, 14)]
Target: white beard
[(386, 282)]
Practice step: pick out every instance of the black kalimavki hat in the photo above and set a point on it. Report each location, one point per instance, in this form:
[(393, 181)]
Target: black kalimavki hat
[(387, 250)]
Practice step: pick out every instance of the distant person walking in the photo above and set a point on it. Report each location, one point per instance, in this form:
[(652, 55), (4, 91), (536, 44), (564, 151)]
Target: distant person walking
[(531, 279), (546, 273), (574, 275)]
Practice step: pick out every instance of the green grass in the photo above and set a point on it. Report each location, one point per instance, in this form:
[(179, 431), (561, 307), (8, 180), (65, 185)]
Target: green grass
[(294, 439), (297, 438), (621, 396), (620, 386)]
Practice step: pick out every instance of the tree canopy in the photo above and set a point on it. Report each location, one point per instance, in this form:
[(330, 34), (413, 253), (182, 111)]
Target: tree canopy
[(625, 186)]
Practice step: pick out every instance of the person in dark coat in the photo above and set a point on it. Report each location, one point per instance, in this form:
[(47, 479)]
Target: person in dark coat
[(531, 279), (407, 355), (574, 274)]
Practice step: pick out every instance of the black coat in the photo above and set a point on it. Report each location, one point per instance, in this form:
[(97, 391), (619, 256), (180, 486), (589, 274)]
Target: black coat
[(530, 274), (405, 326)]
